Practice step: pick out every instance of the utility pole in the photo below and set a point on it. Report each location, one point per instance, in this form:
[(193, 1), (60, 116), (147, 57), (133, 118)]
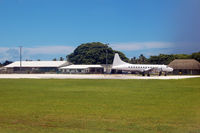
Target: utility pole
[(20, 56), (107, 58)]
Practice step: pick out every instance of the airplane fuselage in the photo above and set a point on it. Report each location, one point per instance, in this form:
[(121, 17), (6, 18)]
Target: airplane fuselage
[(142, 67)]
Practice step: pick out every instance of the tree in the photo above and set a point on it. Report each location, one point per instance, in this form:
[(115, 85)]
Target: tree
[(61, 59), (142, 59), (161, 59), (54, 59), (196, 56), (154, 60), (94, 53), (182, 56), (133, 60), (166, 59), (7, 63)]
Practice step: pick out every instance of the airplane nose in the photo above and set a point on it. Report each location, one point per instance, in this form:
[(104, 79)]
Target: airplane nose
[(171, 69)]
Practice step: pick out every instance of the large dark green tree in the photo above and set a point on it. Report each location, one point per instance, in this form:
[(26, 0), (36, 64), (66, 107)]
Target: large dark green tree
[(94, 53)]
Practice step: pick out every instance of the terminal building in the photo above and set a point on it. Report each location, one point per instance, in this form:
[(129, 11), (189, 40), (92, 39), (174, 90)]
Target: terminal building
[(82, 69), (35, 66), (53, 67)]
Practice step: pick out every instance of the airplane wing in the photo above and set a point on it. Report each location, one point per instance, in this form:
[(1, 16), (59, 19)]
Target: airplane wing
[(148, 69)]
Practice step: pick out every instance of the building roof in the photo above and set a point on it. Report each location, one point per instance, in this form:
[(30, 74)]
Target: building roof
[(81, 66), (184, 64), (38, 64)]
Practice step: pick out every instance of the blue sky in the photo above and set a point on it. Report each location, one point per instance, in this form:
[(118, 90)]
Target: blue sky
[(52, 28)]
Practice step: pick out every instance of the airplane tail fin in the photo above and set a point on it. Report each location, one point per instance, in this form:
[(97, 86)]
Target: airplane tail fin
[(117, 61)]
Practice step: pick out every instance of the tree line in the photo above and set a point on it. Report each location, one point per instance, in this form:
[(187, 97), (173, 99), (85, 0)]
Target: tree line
[(163, 58)]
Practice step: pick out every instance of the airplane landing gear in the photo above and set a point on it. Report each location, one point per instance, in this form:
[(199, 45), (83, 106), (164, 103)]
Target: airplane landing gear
[(160, 73), (148, 75), (165, 74), (143, 74)]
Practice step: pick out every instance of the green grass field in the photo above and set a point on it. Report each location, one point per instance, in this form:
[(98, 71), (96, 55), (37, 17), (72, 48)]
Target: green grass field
[(99, 106)]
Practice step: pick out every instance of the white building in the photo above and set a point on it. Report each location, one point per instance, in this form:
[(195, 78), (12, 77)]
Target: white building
[(35, 66), (82, 69)]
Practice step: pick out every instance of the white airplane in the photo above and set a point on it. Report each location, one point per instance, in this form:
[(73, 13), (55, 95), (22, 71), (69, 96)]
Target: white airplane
[(118, 64)]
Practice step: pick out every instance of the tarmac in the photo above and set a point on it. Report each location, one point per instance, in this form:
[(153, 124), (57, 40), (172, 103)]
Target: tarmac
[(90, 76)]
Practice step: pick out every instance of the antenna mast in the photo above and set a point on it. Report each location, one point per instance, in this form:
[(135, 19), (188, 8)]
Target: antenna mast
[(20, 53)]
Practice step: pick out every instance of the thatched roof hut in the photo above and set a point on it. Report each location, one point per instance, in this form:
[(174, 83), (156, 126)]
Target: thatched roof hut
[(185, 66)]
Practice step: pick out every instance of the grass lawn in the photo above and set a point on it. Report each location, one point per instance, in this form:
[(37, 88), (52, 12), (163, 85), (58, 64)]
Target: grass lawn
[(99, 106)]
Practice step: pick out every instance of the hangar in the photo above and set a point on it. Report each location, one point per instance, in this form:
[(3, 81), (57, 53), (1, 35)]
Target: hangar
[(185, 66), (35, 66), (89, 69)]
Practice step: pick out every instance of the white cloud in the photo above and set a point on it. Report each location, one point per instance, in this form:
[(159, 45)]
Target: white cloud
[(133, 46), (3, 49), (49, 50), (8, 53)]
